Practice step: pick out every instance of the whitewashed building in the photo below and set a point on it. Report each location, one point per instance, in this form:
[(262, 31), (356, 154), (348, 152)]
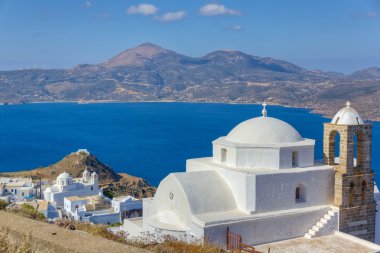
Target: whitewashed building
[(66, 186), (128, 206), (98, 209), (262, 182), (17, 188), (94, 209)]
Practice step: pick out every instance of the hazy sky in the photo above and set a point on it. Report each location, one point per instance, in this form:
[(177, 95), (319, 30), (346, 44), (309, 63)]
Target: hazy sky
[(335, 35)]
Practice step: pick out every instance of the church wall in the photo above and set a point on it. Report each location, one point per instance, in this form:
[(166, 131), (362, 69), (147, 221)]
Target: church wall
[(265, 230), (305, 156), (258, 158), (58, 197), (277, 191), (237, 182), (170, 197), (230, 155)]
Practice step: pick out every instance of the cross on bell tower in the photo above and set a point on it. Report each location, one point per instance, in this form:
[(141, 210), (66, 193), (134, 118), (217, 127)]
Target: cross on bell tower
[(354, 178)]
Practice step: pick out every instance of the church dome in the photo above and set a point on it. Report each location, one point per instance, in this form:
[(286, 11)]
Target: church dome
[(263, 130), (64, 175), (347, 116)]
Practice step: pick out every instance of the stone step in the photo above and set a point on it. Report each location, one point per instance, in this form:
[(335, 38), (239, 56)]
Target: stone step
[(324, 220), (312, 232), (332, 213), (320, 224), (327, 216), (316, 228), (308, 236)]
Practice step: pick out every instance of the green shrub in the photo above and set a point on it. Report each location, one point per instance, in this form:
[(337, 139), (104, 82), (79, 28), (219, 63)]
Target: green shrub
[(28, 211), (3, 205)]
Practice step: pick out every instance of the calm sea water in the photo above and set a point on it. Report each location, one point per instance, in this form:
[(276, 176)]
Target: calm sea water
[(148, 140)]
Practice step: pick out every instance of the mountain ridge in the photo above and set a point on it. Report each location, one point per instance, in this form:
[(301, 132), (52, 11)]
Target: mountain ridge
[(151, 73)]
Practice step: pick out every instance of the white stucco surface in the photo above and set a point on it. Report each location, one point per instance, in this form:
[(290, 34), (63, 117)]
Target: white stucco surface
[(347, 116), (262, 182), (263, 130)]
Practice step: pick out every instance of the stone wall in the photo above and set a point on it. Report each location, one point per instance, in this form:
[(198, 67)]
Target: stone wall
[(354, 182)]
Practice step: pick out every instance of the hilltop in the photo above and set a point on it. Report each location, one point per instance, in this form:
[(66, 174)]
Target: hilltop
[(116, 184), (149, 72)]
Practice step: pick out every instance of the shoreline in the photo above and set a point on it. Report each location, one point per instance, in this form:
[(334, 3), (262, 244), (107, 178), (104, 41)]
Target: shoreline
[(106, 101)]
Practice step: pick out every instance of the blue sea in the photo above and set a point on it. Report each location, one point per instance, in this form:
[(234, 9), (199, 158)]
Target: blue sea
[(148, 140)]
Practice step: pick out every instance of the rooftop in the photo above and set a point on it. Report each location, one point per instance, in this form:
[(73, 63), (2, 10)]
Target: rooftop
[(336, 243)]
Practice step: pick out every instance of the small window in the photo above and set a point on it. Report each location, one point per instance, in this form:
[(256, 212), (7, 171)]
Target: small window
[(294, 159), (223, 157), (297, 193), (92, 188), (23, 194), (300, 194)]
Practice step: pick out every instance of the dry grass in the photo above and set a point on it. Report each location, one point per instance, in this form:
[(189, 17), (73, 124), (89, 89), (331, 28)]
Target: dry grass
[(154, 242), (22, 245)]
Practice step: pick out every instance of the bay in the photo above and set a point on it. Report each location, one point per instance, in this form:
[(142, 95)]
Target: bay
[(148, 140)]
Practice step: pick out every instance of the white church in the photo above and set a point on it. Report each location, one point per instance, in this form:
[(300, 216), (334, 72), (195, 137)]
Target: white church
[(66, 186), (263, 183)]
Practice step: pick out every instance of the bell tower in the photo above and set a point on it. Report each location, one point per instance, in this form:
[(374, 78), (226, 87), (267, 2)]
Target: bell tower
[(354, 178)]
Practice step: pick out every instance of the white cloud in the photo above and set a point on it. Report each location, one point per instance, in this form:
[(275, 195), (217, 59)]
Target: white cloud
[(217, 9), (144, 9), (172, 16), (87, 4)]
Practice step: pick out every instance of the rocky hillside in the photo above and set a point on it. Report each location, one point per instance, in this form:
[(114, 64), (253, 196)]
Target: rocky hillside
[(112, 183), (151, 73)]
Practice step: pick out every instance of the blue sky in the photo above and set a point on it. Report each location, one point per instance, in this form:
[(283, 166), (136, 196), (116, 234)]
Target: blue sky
[(334, 35)]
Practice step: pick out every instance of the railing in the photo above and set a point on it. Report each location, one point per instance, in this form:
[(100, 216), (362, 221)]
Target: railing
[(235, 243)]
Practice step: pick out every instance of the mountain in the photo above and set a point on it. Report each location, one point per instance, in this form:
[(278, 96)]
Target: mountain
[(151, 73), (366, 74), (113, 184)]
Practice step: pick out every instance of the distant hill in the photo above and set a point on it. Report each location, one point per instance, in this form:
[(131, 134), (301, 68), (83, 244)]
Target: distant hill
[(151, 73), (366, 74), (75, 163)]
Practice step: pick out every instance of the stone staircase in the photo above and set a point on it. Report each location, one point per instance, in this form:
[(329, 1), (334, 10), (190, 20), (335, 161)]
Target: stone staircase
[(325, 226)]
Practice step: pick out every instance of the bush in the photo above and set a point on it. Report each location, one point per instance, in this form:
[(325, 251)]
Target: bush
[(28, 211), (3, 204)]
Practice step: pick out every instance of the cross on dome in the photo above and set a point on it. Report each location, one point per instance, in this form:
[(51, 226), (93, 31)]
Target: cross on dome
[(264, 111), (348, 104)]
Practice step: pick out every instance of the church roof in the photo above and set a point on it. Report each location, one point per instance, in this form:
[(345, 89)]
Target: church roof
[(263, 130), (347, 116), (64, 175)]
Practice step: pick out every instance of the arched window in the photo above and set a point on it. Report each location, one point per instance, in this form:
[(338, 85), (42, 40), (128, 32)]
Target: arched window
[(355, 161), (300, 194), (223, 155), (336, 144), (294, 159)]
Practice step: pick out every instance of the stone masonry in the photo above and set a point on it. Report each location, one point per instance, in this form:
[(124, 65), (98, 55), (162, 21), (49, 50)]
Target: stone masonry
[(354, 182)]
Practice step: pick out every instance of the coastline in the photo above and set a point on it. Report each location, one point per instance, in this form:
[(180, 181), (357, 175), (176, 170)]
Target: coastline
[(84, 102), (327, 115)]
